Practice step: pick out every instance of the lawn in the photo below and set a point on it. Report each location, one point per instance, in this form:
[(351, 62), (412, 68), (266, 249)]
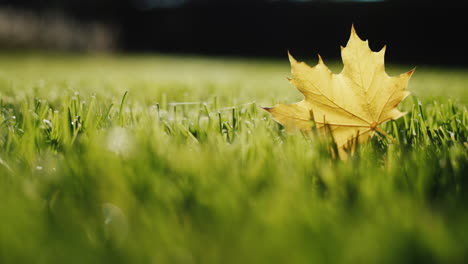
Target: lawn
[(170, 159)]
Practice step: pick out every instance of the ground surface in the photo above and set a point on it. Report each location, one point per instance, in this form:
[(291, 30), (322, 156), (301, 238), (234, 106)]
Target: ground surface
[(186, 168)]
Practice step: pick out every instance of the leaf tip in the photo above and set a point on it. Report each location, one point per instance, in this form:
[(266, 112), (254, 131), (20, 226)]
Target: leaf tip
[(381, 52), (353, 29), (268, 109), (354, 34), (320, 60), (409, 73), (291, 58)]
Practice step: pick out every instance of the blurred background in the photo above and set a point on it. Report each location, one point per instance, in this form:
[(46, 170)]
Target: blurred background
[(416, 32)]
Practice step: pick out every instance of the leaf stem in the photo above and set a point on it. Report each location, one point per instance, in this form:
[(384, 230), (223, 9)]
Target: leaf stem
[(385, 134)]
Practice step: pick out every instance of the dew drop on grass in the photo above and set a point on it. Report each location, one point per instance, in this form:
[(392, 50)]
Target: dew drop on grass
[(120, 141), (115, 223)]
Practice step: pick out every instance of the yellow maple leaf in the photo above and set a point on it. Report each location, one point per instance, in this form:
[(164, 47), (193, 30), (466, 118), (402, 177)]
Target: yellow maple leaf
[(351, 104)]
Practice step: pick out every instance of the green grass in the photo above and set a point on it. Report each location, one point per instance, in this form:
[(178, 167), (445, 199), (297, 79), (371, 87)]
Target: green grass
[(186, 168)]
